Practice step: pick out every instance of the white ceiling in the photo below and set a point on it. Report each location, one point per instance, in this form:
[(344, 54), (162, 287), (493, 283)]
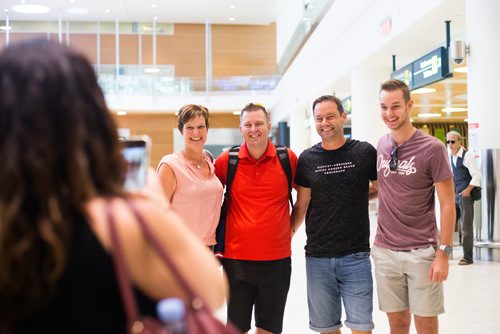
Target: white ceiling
[(172, 11)]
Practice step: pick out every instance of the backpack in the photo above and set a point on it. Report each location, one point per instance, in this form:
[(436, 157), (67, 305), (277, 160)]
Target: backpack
[(220, 233)]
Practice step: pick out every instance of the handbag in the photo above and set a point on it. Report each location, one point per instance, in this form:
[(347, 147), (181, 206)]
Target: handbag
[(198, 318), (475, 194)]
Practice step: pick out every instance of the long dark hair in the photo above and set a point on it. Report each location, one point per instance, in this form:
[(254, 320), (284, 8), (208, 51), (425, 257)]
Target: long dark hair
[(58, 149)]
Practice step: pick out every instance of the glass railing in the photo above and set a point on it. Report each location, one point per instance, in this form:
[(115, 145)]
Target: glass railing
[(313, 14), (142, 80)]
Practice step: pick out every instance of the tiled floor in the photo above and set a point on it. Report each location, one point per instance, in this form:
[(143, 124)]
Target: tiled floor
[(472, 297)]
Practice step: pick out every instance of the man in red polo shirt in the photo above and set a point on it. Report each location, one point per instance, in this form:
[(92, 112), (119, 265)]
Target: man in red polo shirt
[(258, 234)]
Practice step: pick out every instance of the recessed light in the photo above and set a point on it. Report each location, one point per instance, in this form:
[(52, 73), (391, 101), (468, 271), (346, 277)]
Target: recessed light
[(231, 19), (107, 11), (466, 119), (423, 90), (232, 6), (5, 28), (462, 69), (453, 109), (428, 115), (153, 5), (151, 70), (31, 9), (71, 1), (77, 11), (121, 113), (155, 18), (237, 112)]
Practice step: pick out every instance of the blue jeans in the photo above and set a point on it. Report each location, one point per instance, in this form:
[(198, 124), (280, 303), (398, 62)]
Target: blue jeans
[(331, 281)]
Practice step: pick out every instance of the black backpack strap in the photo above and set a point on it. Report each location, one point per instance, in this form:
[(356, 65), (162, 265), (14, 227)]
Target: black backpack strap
[(220, 232), (232, 163), (282, 152)]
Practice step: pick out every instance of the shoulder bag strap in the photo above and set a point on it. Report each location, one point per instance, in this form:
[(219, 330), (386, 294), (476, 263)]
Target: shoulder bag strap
[(126, 290), (196, 301)]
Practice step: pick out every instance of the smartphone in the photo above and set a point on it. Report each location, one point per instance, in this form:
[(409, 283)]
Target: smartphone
[(136, 151)]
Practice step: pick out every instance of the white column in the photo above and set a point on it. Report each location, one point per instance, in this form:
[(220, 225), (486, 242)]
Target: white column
[(482, 27), (366, 124), (300, 129)]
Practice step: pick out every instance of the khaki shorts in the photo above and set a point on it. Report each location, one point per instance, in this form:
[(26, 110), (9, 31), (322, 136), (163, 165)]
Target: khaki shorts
[(402, 281)]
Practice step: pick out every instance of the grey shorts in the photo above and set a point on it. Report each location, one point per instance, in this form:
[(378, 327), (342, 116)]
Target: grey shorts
[(403, 283)]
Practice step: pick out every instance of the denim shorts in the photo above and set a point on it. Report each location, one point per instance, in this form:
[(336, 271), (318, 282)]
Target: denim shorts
[(333, 281)]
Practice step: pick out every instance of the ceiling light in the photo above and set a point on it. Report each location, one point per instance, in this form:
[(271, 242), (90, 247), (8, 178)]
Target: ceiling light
[(151, 70), (153, 5), (31, 9), (428, 115), (462, 69), (232, 6), (71, 1), (5, 28), (107, 11), (423, 90), (231, 19), (121, 113), (466, 119), (237, 112), (453, 109), (77, 11), (412, 120)]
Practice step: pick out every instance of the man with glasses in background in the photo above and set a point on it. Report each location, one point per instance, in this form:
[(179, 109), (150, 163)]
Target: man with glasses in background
[(466, 177), (410, 254), (258, 233)]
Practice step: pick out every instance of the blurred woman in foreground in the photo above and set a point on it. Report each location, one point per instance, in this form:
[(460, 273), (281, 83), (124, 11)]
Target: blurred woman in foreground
[(61, 160)]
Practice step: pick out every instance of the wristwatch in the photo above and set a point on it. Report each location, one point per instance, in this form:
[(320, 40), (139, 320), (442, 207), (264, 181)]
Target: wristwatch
[(446, 249)]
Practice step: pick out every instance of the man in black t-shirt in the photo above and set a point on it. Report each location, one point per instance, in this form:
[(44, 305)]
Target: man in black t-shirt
[(335, 178)]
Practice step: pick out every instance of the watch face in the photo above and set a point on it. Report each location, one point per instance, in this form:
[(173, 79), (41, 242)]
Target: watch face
[(446, 249)]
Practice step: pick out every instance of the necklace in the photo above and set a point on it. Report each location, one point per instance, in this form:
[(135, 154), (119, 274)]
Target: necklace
[(197, 164)]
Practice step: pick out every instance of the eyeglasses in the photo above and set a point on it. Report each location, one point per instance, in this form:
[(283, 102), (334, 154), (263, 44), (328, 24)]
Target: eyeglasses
[(450, 142), (393, 163)]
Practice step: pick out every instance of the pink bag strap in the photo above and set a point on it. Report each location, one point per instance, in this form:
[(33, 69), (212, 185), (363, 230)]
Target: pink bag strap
[(122, 273), (166, 259), (126, 290)]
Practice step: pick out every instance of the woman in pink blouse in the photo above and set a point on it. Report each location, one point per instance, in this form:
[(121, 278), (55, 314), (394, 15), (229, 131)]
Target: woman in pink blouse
[(188, 177)]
